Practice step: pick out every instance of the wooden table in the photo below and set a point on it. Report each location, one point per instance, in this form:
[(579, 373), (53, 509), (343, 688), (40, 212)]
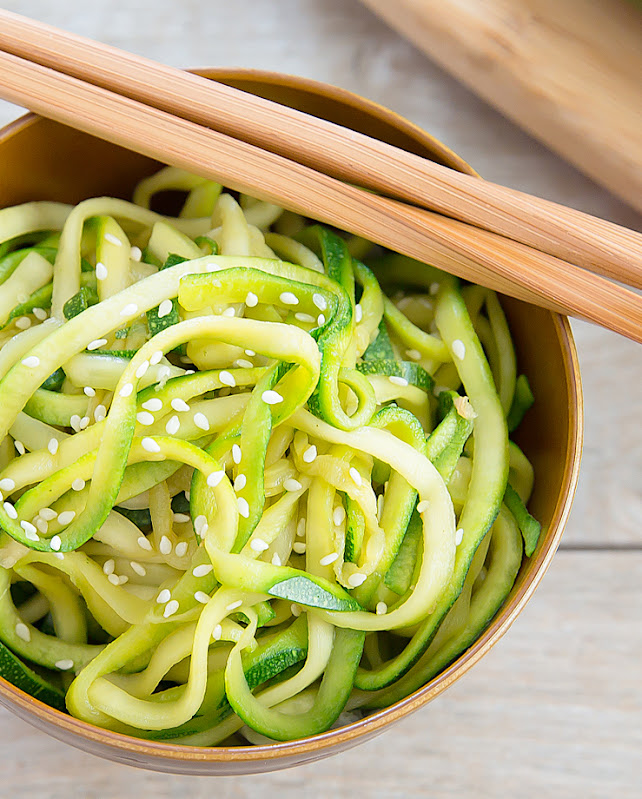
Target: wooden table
[(555, 709)]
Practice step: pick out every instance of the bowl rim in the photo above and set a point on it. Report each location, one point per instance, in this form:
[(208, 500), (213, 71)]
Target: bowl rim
[(374, 723)]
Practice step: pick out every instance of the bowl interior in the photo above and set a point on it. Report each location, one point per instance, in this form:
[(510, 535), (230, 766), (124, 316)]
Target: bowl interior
[(43, 160)]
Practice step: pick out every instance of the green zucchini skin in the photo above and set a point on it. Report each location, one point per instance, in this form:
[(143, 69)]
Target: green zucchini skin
[(13, 670)]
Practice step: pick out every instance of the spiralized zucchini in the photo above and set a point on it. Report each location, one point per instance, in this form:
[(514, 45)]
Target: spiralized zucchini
[(241, 494)]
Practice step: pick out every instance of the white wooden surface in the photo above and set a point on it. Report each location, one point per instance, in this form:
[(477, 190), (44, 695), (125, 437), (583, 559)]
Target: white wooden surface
[(555, 709)]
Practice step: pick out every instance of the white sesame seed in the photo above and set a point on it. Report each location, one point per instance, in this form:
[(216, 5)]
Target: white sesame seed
[(101, 271), (243, 364), (398, 381), (84, 422), (381, 609), (304, 317), (459, 349), (55, 543), (32, 536), (7, 484), (135, 253), (234, 605), (109, 566), (434, 288), (356, 579), (200, 524), (423, 506), (251, 300), (414, 355), (66, 517), (299, 547), (217, 632), (42, 525), (11, 512), (114, 579), (271, 397), (129, 310), (113, 240), (202, 570), (358, 313), (288, 298), (295, 609), (163, 374), (276, 560), (31, 361), (310, 454), (153, 404), (181, 518), (179, 405), (320, 301), (165, 545), (290, 484), (156, 357), (258, 545), (165, 308), (201, 421), (173, 425), (27, 526), (23, 322), (328, 559), (150, 445), (20, 447), (100, 413), (231, 311), (243, 506), (356, 477), (250, 353), (145, 418), (47, 513), (202, 597), (236, 453), (338, 515), (301, 526), (240, 482), (97, 342), (459, 536), (143, 543), (126, 390), (164, 596), (74, 422), (320, 320), (64, 665), (144, 366), (40, 314), (214, 478), (227, 378), (170, 608), (122, 579), (89, 391), (22, 631)]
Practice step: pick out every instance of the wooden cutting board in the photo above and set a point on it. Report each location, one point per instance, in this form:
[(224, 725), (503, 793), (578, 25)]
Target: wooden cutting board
[(568, 71)]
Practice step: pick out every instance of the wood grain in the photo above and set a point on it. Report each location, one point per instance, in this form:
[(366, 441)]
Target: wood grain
[(568, 72)]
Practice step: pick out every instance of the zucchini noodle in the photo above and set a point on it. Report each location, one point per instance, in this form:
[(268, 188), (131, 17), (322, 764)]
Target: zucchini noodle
[(242, 489)]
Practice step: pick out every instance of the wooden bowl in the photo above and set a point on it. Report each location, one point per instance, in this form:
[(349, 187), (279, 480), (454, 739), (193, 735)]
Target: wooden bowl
[(42, 160)]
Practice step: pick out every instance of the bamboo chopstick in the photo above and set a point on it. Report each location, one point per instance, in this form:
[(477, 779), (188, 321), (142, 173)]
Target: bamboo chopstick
[(469, 252), (595, 244)]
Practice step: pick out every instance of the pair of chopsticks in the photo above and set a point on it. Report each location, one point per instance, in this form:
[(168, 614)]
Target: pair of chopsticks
[(520, 245)]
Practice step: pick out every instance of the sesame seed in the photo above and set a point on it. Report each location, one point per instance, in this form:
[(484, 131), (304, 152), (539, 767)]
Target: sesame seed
[(27, 526), (173, 425), (129, 310), (42, 525), (181, 518), (276, 560), (170, 608), (179, 405), (55, 543), (214, 478), (109, 566), (126, 390), (101, 271), (295, 610), (299, 547), (217, 632), (164, 596), (165, 545), (251, 300), (381, 609), (23, 322), (236, 453), (459, 349), (181, 549), (229, 311), (356, 477), (320, 320), (163, 373), (301, 527), (47, 513), (227, 378), (153, 404), (358, 313), (145, 418), (258, 545), (31, 361), (356, 579), (200, 524), (7, 484), (97, 342), (240, 482), (135, 253), (113, 240), (144, 366), (20, 447), (40, 314), (202, 597), (234, 605), (243, 364), (459, 536), (11, 512), (66, 517), (320, 301), (414, 355), (114, 579), (100, 413), (143, 543), (202, 570), (304, 317), (201, 421), (338, 515), (74, 422), (250, 353), (32, 536), (150, 445), (89, 391), (288, 298), (423, 506), (398, 381), (434, 288), (243, 506), (290, 484), (165, 308), (64, 665), (156, 357), (328, 559), (84, 422), (271, 397), (22, 631), (310, 454)]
